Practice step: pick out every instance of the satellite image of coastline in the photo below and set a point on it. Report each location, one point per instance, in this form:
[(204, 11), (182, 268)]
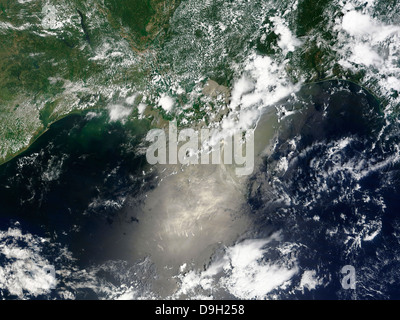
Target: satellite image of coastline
[(199, 150)]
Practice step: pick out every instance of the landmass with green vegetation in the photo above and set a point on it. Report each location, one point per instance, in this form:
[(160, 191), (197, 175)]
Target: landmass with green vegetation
[(62, 57)]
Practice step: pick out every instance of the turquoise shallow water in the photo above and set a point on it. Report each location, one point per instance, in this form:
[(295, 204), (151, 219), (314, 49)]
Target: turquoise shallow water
[(76, 162)]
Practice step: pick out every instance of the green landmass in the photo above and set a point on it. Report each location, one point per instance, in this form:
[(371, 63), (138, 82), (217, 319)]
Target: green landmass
[(63, 57)]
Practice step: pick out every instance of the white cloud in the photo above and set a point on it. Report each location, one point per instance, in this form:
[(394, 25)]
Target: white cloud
[(240, 88), (358, 25), (364, 54), (263, 83), (24, 271), (250, 277), (131, 100), (287, 41), (141, 108), (242, 271), (367, 41), (271, 81), (309, 280), (166, 102), (118, 112), (51, 19)]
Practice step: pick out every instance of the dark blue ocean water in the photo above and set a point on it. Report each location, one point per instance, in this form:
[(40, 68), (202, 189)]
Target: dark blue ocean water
[(341, 186), (337, 199)]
